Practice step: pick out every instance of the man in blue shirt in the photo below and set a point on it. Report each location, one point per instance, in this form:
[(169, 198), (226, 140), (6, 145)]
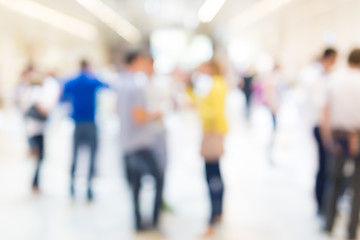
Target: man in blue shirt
[(81, 93)]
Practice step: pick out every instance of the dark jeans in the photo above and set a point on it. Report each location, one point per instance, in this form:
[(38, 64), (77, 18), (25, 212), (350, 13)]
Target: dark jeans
[(85, 135), (274, 120), (37, 145), (321, 177), (139, 164), (216, 189), (248, 98), (336, 179)]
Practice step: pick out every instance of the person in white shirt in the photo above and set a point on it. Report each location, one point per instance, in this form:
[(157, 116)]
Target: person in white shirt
[(340, 130), (313, 80), (37, 95)]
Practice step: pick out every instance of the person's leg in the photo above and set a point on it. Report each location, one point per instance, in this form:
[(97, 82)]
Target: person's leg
[(354, 215), (216, 190), (274, 120), (336, 166), (272, 139), (154, 170), (321, 174), (38, 143), (219, 192), (126, 162), (247, 104), (133, 162), (93, 144), (76, 145)]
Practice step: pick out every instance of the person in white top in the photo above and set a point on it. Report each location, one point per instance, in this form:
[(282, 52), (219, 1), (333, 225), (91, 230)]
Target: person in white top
[(313, 80), (340, 130), (36, 97)]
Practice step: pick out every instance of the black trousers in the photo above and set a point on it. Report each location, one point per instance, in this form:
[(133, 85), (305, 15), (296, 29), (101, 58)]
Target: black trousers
[(139, 164), (336, 180), (85, 135), (216, 189), (37, 145), (321, 176)]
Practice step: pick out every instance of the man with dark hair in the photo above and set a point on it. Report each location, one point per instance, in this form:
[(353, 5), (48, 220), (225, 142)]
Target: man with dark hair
[(84, 64), (132, 56), (329, 54), (135, 133), (81, 92), (313, 81), (340, 131)]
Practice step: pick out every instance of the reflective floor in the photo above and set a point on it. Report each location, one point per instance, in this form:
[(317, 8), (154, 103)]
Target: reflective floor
[(269, 193)]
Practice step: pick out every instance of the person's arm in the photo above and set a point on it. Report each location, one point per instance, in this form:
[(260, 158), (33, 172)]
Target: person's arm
[(354, 144), (139, 113), (102, 84), (141, 116), (65, 95), (44, 111)]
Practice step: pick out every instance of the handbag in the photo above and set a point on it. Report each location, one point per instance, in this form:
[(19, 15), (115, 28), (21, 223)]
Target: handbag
[(33, 112), (212, 147)]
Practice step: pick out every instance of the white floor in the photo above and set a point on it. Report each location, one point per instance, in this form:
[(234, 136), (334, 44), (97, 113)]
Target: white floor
[(263, 201)]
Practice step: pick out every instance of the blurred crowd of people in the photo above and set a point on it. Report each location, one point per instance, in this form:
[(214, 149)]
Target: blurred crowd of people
[(331, 102)]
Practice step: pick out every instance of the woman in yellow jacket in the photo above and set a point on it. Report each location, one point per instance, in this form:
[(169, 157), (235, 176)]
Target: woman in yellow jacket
[(208, 94)]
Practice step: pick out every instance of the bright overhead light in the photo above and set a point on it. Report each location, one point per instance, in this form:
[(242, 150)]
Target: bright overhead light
[(256, 12), (52, 17), (209, 10), (110, 17)]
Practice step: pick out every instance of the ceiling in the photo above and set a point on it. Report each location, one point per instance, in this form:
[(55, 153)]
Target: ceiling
[(148, 15)]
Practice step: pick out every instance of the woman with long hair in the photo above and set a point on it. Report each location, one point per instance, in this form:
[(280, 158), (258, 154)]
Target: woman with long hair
[(208, 91)]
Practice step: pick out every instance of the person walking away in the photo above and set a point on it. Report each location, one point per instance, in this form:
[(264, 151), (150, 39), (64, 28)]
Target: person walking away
[(81, 93), (37, 95)]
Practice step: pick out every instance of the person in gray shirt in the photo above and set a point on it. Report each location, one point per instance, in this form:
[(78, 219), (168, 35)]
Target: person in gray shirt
[(135, 134)]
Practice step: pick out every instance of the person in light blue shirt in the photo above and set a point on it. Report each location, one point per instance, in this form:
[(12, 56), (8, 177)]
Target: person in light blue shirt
[(81, 92), (136, 138)]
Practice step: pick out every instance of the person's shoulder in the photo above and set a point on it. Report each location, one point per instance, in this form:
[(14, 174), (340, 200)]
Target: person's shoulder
[(310, 72), (70, 82), (72, 79), (218, 77)]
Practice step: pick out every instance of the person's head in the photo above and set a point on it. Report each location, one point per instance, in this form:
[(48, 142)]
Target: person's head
[(84, 65), (138, 61), (210, 68), (354, 58), (328, 58)]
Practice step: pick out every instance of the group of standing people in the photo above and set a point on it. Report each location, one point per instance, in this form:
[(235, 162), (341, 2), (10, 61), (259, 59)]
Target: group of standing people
[(334, 99), (141, 108)]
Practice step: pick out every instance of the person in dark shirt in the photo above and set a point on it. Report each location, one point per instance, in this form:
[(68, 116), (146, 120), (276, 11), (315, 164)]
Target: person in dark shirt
[(81, 93)]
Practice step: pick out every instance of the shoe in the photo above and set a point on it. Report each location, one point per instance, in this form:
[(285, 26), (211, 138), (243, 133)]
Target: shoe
[(36, 190), (327, 232), (140, 228), (351, 237), (218, 220), (208, 233)]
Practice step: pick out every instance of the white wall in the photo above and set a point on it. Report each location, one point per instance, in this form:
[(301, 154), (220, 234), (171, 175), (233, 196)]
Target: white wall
[(23, 39)]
